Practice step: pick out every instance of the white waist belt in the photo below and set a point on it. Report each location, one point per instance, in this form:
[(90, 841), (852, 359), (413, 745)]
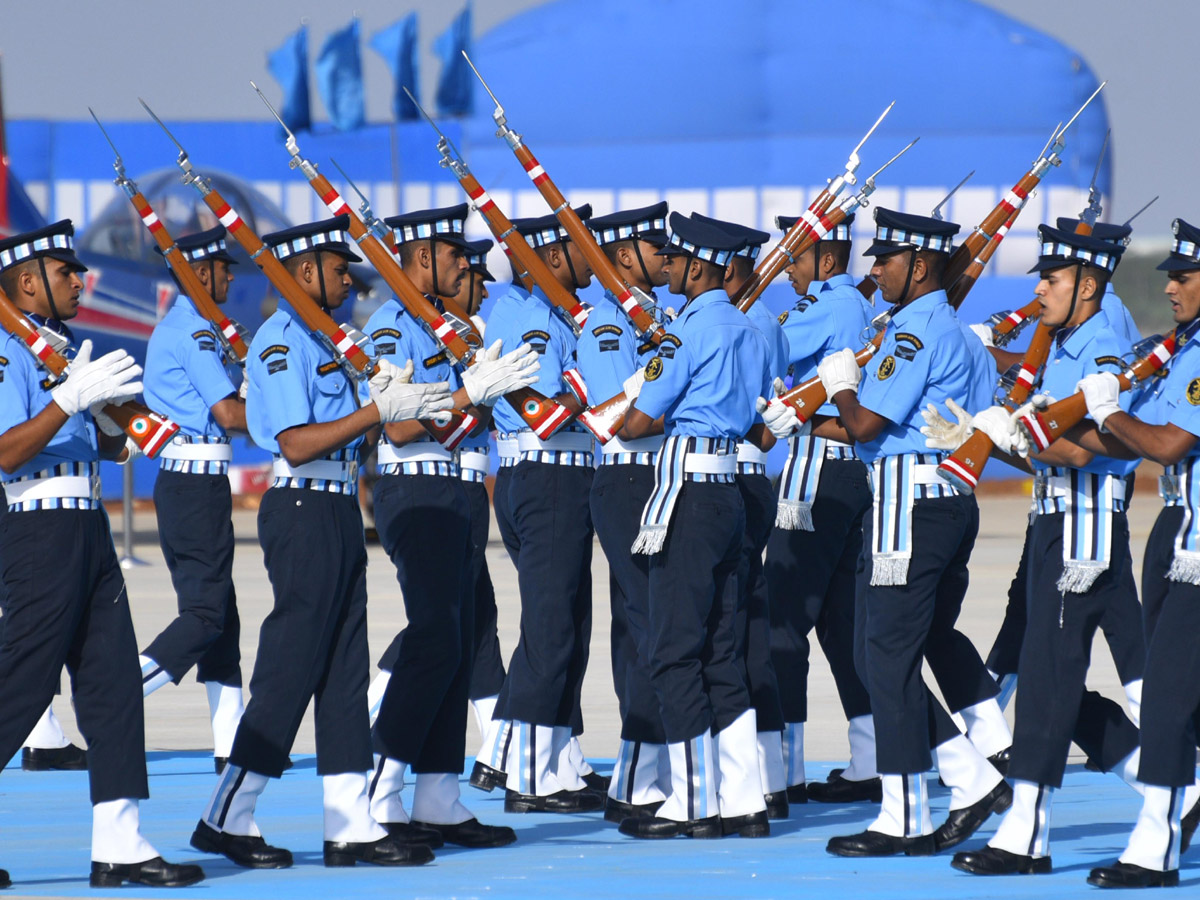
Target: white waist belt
[(420, 451), (54, 487), (926, 474), (507, 448), (711, 463), (1060, 486), (748, 453), (580, 442), (475, 460), (641, 445), (205, 452), (328, 469)]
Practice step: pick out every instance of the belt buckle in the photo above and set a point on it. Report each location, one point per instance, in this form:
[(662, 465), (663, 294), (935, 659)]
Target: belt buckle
[(352, 471), (94, 485), (1168, 486), (1041, 488)]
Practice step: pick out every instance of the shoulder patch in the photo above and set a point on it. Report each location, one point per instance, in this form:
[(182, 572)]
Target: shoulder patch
[(535, 335), (328, 367), (805, 302), (668, 338), (654, 368), (1193, 392), (911, 339), (430, 361), (3, 360), (783, 317), (1110, 361), (276, 366), (385, 332), (607, 329), (274, 348), (204, 333), (886, 368), (645, 347), (609, 345)]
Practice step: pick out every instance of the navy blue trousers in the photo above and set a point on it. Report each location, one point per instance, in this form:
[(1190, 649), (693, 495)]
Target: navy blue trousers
[(1055, 655), (65, 604), (619, 493), (313, 644), (754, 613), (195, 531), (552, 526), (697, 673), (810, 584), (487, 671)]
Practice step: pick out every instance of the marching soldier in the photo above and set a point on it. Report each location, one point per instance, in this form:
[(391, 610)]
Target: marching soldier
[(547, 528), (316, 420), (1079, 563), (917, 542), (813, 551), (758, 498), (422, 716), (610, 356), (188, 379), (692, 529), (71, 607)]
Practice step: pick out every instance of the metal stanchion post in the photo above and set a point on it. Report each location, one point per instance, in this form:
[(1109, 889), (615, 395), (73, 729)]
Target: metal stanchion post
[(128, 560)]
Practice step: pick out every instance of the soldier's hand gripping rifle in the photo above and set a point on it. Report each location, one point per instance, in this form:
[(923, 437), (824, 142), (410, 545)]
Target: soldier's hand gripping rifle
[(229, 333), (543, 415), (151, 431), (632, 300), (522, 257), (809, 228)]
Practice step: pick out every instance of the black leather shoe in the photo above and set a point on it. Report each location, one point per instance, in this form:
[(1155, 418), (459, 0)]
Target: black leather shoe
[(412, 833), (1127, 875), (248, 852), (1187, 827), (597, 782), (486, 778), (618, 810), (834, 774), (962, 823), (777, 804), (387, 851), (44, 759), (797, 793), (1001, 760), (994, 861), (155, 872), (876, 843), (472, 833), (653, 828), (839, 790), (5, 881), (751, 825), (579, 801)]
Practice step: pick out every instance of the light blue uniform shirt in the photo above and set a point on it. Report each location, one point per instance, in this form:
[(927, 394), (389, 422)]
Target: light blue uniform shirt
[(1119, 318), (186, 370), (828, 319), (609, 350), (1169, 399), (23, 395), (294, 380), (399, 337), (777, 342), (717, 365), (519, 317), (1087, 348), (925, 358)]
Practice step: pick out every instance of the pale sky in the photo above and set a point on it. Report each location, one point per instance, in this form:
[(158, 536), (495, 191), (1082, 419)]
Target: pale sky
[(195, 61)]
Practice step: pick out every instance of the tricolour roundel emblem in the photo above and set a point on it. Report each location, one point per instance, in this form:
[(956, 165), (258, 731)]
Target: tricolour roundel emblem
[(1193, 392), (140, 425), (653, 368), (886, 368), (532, 407)]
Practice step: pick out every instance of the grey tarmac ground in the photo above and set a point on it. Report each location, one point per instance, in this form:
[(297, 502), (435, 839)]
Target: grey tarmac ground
[(177, 716)]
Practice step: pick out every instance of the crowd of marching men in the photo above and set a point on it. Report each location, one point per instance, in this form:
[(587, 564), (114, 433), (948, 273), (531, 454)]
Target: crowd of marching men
[(719, 577)]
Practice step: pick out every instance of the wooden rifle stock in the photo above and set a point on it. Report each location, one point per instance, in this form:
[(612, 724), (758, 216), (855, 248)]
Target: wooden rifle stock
[(1016, 319), (151, 431), (1044, 427)]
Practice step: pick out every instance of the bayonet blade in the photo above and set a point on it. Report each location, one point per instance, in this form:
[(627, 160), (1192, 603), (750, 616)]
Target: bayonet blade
[(182, 153), (441, 134), (499, 108), (1129, 221), (1100, 160), (878, 122), (907, 147), (366, 204), (937, 210), (292, 147), (1079, 111), (118, 164)]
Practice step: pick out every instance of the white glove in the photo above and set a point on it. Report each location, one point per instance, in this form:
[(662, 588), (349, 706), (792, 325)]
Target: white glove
[(494, 375), (984, 333), (1000, 426), (1100, 391), (243, 388), (104, 421), (942, 434), (132, 451), (398, 399), (633, 384), (781, 420), (94, 380), (480, 326), (670, 313), (839, 372)]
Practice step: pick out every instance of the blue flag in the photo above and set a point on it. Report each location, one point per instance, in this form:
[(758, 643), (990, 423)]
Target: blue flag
[(339, 78), (455, 91), (397, 44), (288, 65)]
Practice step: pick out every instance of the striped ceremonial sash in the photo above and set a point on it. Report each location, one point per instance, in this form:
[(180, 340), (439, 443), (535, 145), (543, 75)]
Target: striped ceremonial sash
[(798, 483), (897, 483), (670, 473), (1087, 501), (1185, 564)]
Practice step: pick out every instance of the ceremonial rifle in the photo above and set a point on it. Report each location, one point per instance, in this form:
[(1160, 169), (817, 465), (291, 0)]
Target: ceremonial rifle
[(530, 267), (228, 332), (151, 431), (543, 415), (632, 300)]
